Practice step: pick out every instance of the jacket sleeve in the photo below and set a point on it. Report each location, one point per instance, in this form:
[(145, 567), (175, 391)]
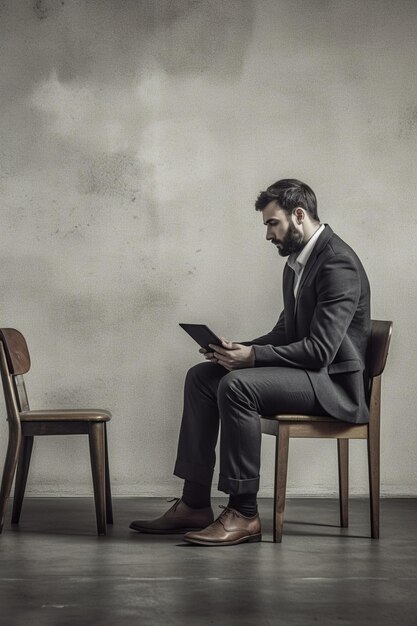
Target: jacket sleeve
[(338, 289), (276, 337)]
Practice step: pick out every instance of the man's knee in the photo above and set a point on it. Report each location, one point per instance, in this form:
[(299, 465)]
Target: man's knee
[(196, 373), (234, 390), (204, 376), (231, 384)]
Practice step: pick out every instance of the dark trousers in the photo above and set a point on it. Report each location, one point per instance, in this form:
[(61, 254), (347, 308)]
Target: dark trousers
[(235, 400)]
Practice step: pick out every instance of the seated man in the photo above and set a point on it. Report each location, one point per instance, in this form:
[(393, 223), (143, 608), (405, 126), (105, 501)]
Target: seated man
[(312, 362)]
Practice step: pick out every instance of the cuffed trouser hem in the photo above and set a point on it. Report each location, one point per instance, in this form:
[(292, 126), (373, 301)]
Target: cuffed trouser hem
[(234, 486), (196, 473)]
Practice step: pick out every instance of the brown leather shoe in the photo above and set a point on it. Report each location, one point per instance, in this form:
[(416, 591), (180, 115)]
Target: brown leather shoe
[(180, 518), (229, 529)]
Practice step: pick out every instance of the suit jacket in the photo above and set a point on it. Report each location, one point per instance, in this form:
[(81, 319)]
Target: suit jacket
[(325, 329)]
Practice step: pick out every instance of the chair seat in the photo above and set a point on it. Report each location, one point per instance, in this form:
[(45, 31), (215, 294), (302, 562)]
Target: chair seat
[(66, 415), (300, 418)]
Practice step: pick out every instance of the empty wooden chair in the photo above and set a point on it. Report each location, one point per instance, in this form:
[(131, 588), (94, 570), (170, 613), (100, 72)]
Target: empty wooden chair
[(283, 427), (24, 424)]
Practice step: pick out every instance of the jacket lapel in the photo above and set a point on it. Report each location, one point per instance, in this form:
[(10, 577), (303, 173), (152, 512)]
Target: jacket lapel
[(289, 302), (318, 248)]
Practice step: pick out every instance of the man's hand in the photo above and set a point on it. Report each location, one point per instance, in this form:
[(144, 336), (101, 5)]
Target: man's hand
[(232, 356)]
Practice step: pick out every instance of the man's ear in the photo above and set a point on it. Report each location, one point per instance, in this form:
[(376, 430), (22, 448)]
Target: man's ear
[(299, 215)]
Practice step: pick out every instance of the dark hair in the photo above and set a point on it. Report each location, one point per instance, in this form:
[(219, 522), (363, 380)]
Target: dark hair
[(289, 194)]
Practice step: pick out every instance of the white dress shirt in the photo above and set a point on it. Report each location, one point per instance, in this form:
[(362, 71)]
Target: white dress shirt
[(298, 260)]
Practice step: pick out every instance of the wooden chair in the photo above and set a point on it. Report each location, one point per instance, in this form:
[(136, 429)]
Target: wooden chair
[(24, 424), (283, 427)]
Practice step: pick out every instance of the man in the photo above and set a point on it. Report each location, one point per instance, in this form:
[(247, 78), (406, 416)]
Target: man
[(312, 362)]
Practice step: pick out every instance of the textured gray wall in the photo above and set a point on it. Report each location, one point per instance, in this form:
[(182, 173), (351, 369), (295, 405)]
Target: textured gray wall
[(135, 137)]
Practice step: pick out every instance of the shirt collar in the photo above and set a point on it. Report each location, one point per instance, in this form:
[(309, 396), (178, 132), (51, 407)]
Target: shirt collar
[(298, 260)]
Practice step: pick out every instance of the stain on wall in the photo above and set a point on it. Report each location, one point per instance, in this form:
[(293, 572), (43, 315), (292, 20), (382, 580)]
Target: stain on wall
[(41, 9), (111, 174)]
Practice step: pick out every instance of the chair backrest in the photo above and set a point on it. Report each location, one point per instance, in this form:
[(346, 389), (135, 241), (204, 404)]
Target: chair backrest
[(16, 350), (378, 346), (14, 362)]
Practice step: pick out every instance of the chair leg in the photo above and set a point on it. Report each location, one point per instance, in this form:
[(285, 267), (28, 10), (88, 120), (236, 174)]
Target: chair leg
[(21, 477), (97, 454), (343, 463), (9, 471), (374, 479), (281, 464), (109, 506)]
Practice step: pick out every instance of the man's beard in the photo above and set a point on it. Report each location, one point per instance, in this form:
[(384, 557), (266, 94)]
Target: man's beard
[(292, 242)]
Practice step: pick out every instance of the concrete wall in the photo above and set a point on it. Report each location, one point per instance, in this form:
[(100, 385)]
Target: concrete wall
[(135, 137)]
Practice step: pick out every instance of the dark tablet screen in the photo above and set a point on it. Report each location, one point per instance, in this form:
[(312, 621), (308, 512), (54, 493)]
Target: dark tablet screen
[(202, 335)]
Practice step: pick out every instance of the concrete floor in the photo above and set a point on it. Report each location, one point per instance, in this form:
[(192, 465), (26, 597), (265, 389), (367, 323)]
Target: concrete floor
[(55, 570)]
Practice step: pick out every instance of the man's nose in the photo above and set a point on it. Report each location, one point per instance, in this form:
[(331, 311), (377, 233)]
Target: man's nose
[(268, 235)]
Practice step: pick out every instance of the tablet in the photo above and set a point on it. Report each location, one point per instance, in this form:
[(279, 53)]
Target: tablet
[(202, 335)]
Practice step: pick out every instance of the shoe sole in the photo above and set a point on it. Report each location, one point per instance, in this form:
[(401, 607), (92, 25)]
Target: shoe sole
[(157, 531), (247, 539)]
